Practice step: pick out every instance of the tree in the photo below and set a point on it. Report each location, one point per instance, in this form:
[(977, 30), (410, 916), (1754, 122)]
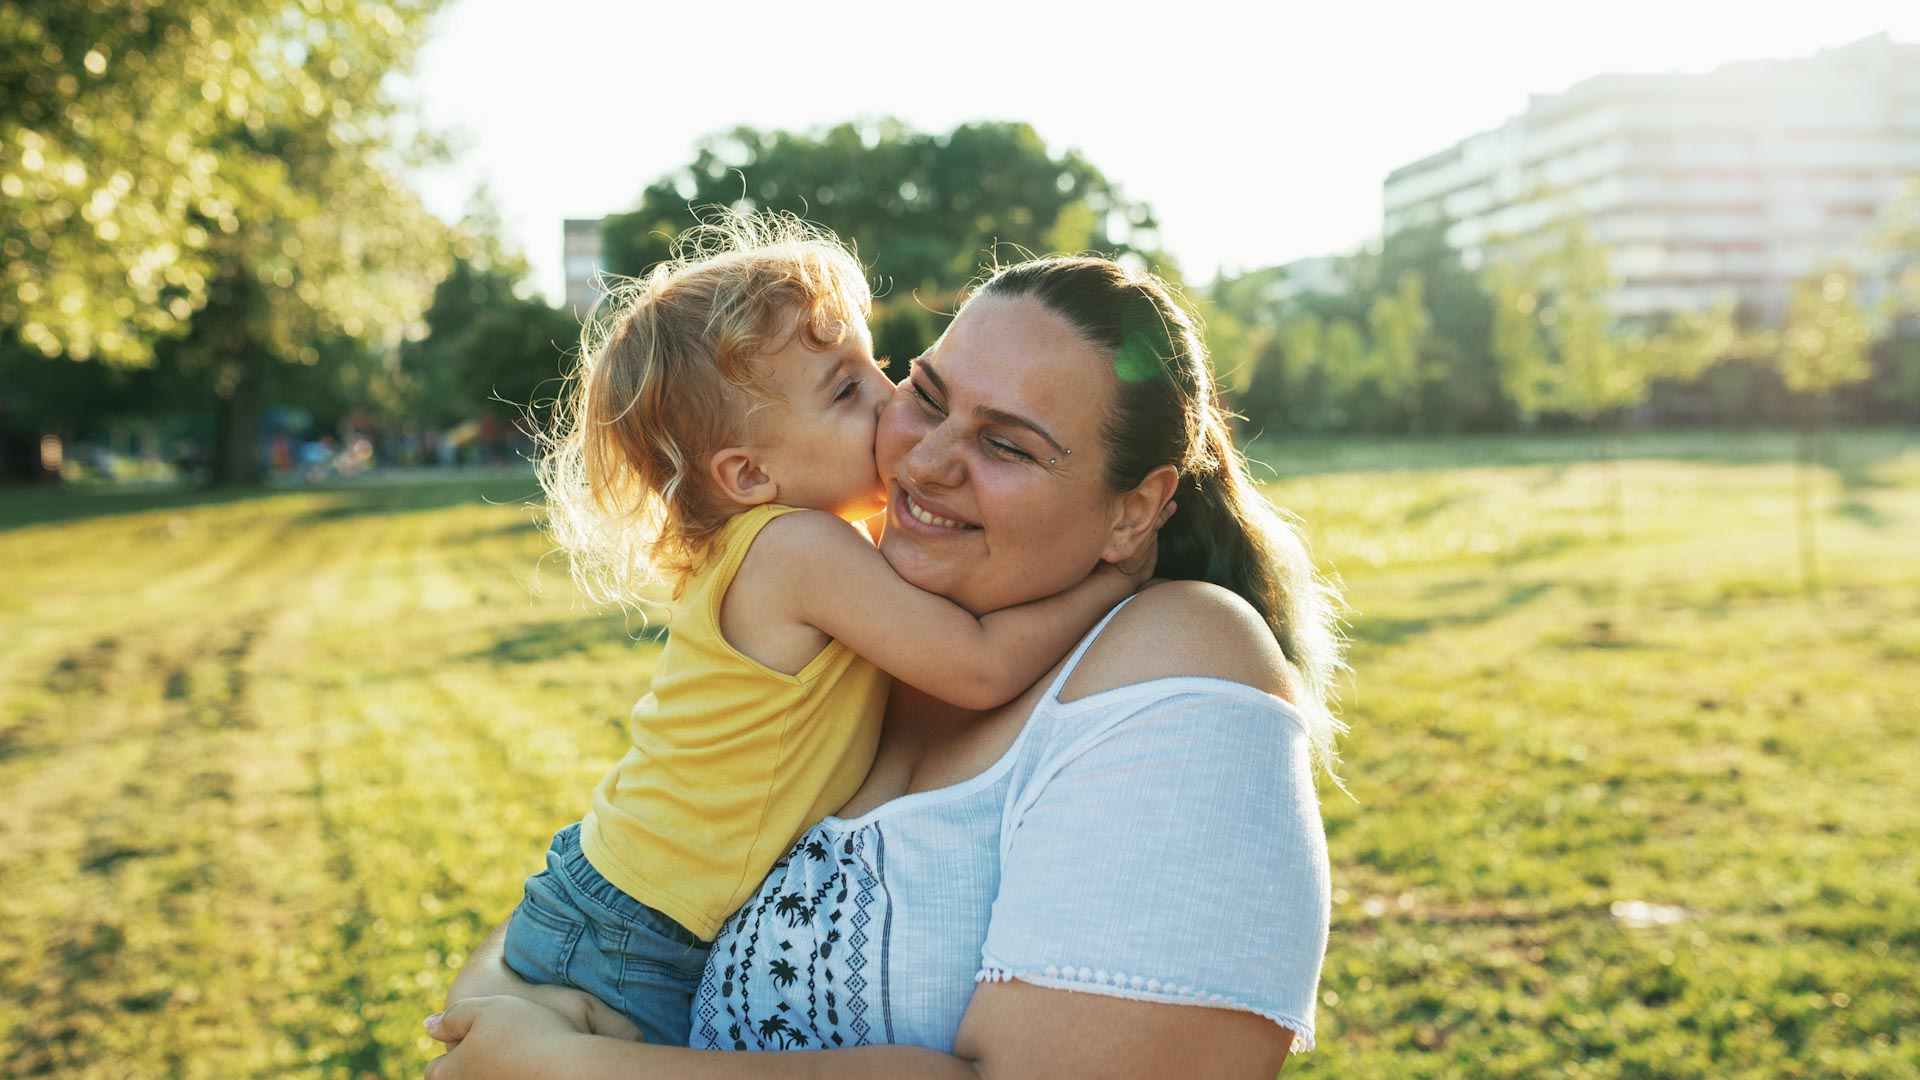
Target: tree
[(1822, 347), (212, 175), (1897, 241), (1398, 324), (1554, 333), (923, 210), (1562, 350), (1460, 388), (1427, 362), (487, 350)]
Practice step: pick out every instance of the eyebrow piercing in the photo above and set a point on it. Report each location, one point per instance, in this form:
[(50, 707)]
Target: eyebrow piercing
[(1055, 460)]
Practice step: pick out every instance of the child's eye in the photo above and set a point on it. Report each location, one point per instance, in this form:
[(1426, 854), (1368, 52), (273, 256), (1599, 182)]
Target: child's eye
[(847, 390), (927, 402)]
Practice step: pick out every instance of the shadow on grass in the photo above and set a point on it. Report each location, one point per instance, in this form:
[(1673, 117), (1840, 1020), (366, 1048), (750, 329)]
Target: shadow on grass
[(1431, 507), (1389, 632), (388, 500), (524, 527), (1856, 454), (1863, 512), (20, 509), (378, 495), (568, 637)]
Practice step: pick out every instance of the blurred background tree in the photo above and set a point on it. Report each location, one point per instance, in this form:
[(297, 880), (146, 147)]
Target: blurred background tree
[(488, 348), (212, 187), (1822, 348), (1562, 349), (925, 211), (1428, 361), (1896, 355)]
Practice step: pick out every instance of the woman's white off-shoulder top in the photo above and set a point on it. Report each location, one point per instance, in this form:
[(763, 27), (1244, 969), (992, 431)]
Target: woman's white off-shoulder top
[(1160, 842)]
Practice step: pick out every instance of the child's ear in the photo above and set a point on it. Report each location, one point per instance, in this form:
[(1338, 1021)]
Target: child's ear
[(1141, 513), (740, 478)]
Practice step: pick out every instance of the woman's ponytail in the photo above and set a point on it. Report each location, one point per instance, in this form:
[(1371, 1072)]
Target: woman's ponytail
[(1168, 411)]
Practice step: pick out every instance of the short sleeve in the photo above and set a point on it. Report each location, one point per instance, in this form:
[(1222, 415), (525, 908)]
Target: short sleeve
[(1171, 853)]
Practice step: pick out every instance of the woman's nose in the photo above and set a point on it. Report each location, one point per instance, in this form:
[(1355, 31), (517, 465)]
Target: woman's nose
[(935, 459)]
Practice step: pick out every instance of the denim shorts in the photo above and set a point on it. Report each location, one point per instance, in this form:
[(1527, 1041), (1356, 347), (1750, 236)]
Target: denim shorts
[(576, 928)]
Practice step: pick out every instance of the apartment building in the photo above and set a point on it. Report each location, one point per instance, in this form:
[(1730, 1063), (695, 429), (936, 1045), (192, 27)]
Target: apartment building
[(580, 255), (1732, 182)]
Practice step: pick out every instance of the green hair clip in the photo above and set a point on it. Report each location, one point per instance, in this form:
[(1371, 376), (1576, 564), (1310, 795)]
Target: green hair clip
[(1144, 350)]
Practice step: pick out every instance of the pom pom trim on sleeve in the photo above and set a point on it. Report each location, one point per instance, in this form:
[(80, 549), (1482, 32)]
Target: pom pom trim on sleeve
[(1140, 988)]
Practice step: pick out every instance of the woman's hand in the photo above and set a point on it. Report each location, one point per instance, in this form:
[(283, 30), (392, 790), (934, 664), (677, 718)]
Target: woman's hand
[(500, 1037), (588, 1014)]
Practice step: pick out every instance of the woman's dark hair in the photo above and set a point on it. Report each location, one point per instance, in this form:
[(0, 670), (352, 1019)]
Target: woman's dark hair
[(1167, 411)]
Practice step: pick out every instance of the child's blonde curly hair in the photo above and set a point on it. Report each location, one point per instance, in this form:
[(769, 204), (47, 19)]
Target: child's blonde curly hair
[(668, 378)]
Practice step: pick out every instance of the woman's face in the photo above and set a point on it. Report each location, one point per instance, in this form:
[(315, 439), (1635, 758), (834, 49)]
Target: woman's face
[(985, 503)]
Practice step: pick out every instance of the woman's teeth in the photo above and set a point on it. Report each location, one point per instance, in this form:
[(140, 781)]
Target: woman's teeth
[(931, 519)]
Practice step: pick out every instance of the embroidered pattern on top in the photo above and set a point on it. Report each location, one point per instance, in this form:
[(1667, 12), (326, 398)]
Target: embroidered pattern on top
[(769, 994)]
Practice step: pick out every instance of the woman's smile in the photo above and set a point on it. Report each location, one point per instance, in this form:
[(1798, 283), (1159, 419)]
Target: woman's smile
[(918, 511)]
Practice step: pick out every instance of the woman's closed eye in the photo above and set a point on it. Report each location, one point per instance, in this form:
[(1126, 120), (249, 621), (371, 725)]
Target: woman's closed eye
[(1007, 449), (847, 390), (926, 399), (998, 445)]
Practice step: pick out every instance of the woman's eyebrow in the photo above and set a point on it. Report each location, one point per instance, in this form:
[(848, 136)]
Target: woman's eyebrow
[(987, 412), (1001, 416)]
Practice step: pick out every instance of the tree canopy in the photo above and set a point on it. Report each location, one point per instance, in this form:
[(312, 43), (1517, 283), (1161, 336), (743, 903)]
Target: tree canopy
[(151, 148), (218, 176), (924, 210)]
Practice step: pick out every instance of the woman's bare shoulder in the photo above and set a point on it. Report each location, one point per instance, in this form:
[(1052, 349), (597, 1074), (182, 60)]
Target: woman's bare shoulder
[(1183, 628)]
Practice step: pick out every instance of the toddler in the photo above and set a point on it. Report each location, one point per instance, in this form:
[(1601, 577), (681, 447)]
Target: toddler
[(720, 441)]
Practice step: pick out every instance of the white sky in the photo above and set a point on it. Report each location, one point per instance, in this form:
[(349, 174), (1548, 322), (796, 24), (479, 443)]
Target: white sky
[(1258, 132)]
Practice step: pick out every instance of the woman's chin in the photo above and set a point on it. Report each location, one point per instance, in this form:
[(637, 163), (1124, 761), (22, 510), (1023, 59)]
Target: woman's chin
[(920, 561)]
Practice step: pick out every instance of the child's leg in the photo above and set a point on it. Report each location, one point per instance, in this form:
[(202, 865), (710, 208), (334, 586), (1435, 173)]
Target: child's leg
[(575, 928)]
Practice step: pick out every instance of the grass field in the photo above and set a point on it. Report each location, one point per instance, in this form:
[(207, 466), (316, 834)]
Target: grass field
[(1620, 807)]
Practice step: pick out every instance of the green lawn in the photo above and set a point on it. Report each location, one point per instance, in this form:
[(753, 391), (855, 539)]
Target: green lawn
[(1623, 806)]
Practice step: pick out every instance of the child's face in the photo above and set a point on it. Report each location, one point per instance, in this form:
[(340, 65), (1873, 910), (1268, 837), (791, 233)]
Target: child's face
[(816, 438)]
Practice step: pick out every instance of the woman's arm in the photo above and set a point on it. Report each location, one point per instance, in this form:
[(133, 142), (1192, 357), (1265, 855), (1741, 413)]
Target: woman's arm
[(1011, 1031)]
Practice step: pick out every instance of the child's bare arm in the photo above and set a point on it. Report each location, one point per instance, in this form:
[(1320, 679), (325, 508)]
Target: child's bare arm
[(837, 582)]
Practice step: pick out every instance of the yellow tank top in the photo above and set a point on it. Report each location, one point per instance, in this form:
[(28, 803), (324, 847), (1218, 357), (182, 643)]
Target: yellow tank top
[(731, 760)]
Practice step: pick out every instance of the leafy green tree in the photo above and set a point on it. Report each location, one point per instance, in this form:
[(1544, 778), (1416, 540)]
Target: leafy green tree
[(1428, 363), (212, 173), (487, 348), (1460, 387), (924, 210), (1554, 333), (1822, 348), (1398, 324), (1897, 358), (1562, 350)]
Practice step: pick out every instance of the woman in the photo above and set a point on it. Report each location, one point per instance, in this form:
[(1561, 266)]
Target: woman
[(1122, 872)]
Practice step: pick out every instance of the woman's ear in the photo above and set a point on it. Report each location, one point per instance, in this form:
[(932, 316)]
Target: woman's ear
[(740, 478), (1141, 513)]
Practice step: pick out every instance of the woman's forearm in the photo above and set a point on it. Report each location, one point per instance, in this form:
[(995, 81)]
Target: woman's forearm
[(611, 1059), (510, 1038), (485, 971)]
